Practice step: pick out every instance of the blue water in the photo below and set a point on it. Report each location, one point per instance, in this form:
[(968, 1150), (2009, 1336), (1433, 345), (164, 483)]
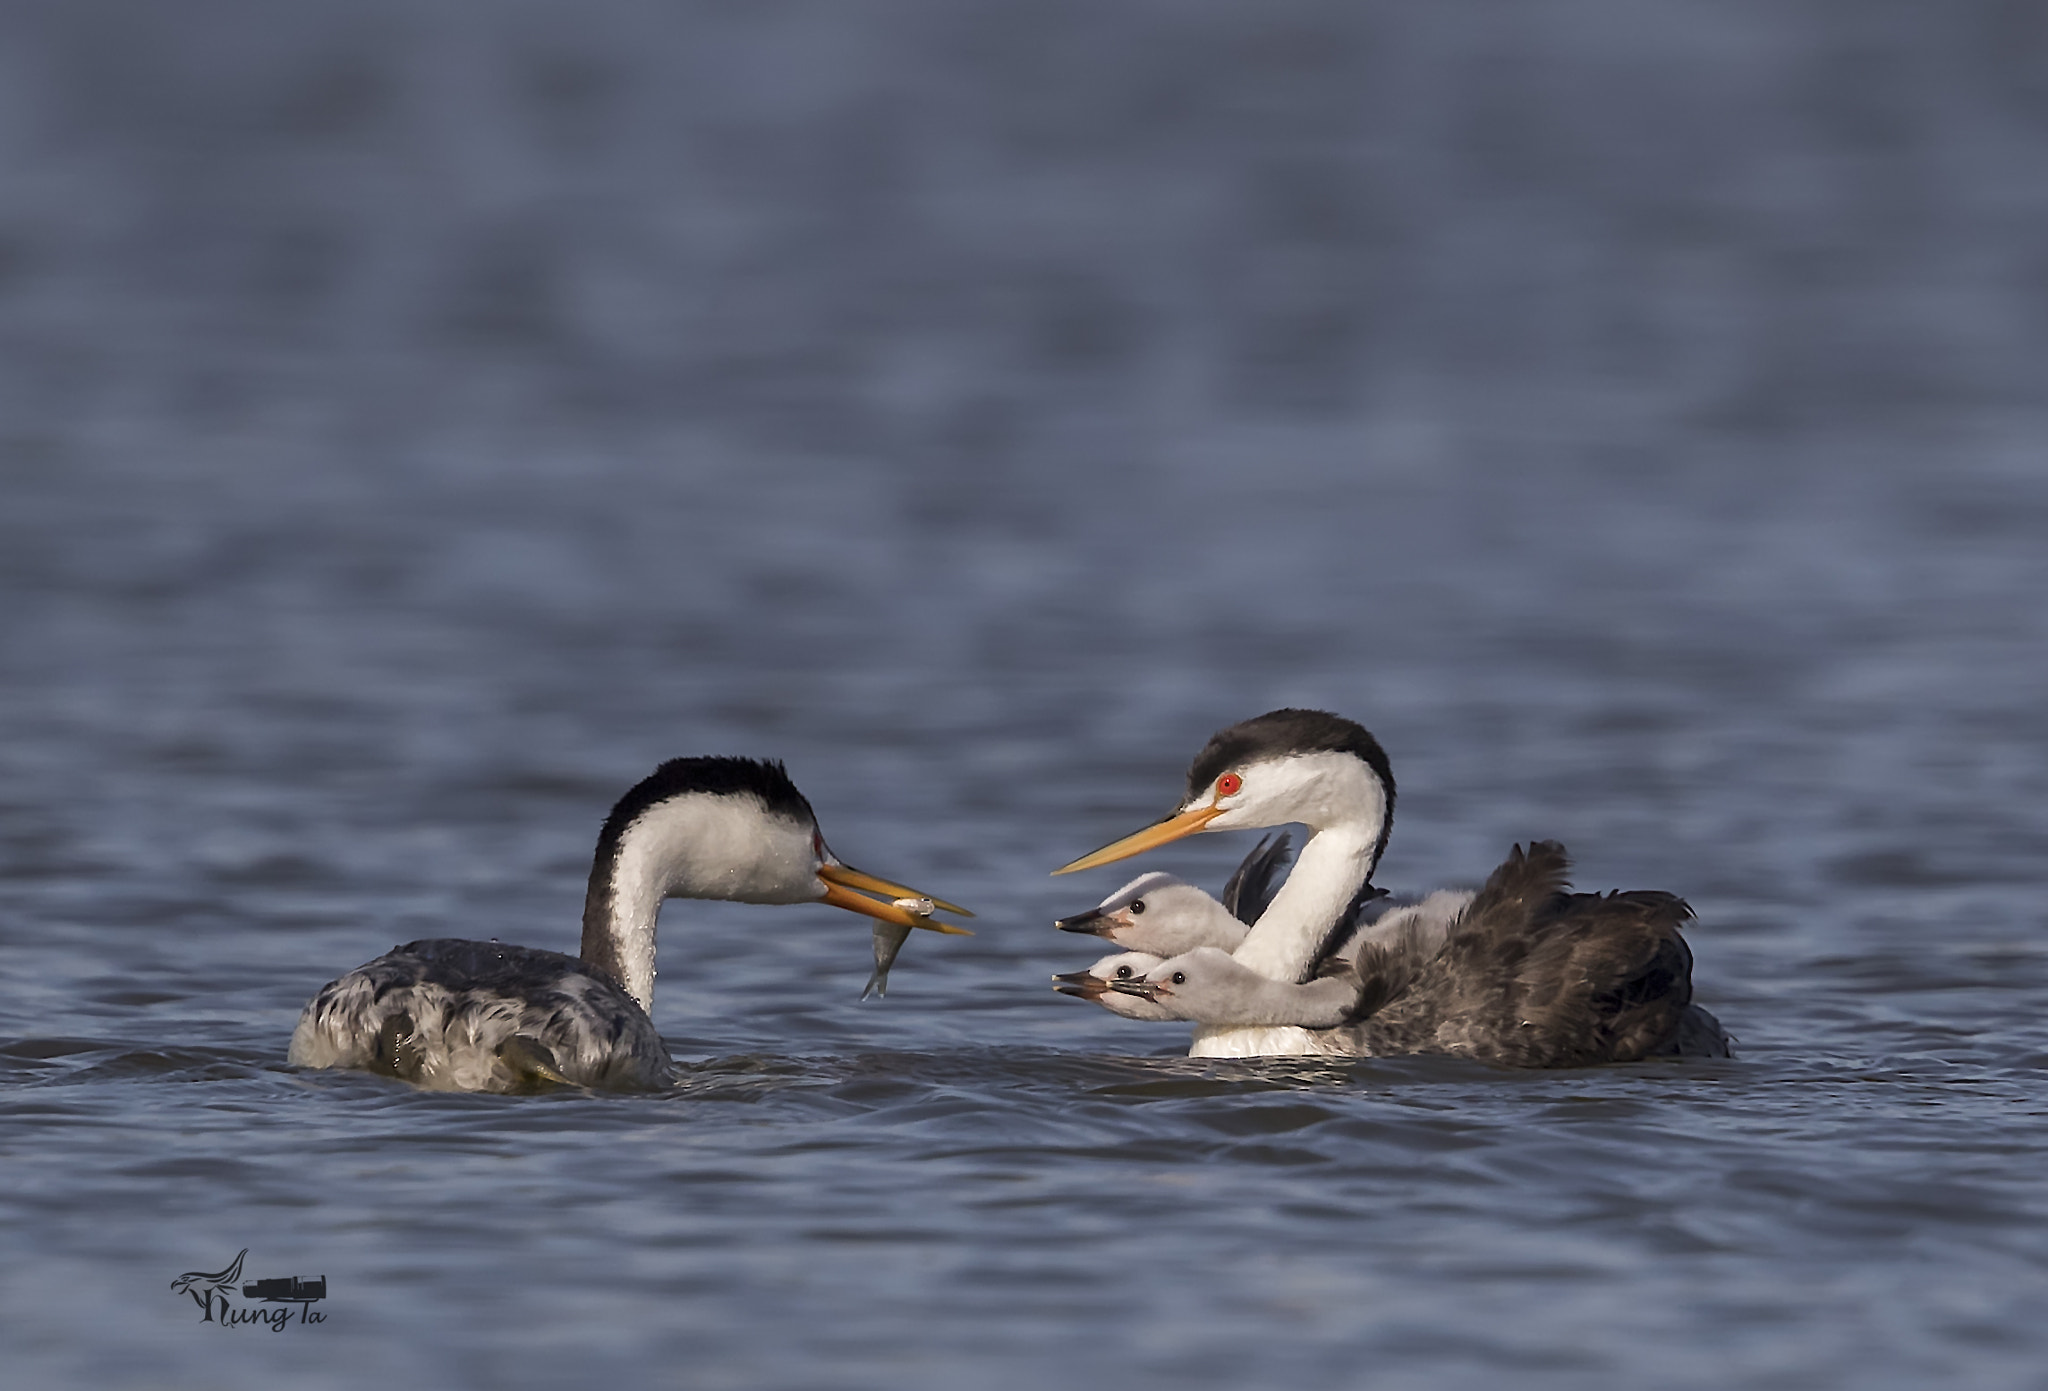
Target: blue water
[(416, 424)]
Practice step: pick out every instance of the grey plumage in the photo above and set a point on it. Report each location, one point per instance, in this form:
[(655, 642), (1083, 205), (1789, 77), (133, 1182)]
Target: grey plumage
[(1164, 915), (1528, 975), (1533, 975), (489, 1016), (1172, 927), (1101, 983), (1176, 922), (1210, 986)]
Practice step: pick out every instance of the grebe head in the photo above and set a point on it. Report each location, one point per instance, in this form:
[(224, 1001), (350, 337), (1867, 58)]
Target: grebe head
[(1284, 766), (738, 829), (1204, 976), (1100, 982), (1158, 914), (730, 828), (1213, 987), (1100, 978)]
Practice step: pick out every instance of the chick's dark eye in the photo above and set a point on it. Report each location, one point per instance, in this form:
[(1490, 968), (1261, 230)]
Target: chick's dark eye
[(1123, 973), (1180, 977), (1137, 905)]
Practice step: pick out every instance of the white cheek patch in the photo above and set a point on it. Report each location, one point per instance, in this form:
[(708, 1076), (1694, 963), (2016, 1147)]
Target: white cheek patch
[(1316, 789), (704, 846)]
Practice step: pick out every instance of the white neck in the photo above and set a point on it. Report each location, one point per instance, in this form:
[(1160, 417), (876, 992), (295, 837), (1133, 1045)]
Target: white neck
[(691, 846), (623, 942), (1345, 805), (1284, 942)]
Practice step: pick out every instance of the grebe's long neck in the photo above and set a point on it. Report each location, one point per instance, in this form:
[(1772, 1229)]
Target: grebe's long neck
[(1288, 937), (689, 845), (619, 913)]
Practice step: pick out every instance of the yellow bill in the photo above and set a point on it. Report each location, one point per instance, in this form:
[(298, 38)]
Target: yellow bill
[(841, 897), (852, 878), (1184, 823)]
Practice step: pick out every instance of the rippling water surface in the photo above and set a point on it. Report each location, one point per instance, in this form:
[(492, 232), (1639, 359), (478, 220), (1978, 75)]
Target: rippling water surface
[(414, 426)]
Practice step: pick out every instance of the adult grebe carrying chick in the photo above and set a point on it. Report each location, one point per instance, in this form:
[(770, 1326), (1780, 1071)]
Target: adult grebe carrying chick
[(1524, 974)]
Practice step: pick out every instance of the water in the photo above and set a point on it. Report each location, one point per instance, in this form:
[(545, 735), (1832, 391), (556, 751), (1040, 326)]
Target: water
[(415, 425)]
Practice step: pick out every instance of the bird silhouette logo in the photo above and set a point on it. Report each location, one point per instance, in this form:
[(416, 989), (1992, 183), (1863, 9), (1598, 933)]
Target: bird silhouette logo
[(204, 1285)]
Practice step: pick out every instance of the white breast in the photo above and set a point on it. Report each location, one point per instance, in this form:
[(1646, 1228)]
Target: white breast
[(1280, 1041)]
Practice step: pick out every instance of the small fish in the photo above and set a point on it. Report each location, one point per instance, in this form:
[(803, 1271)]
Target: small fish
[(889, 939)]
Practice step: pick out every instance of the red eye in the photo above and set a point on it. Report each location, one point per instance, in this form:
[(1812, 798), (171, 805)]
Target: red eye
[(1229, 785)]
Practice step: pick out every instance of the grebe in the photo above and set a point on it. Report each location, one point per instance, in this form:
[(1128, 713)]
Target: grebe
[(1331, 775), (483, 1016), (1159, 916), (1531, 976), (1104, 982), (1167, 916), (1210, 986), (1162, 915)]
